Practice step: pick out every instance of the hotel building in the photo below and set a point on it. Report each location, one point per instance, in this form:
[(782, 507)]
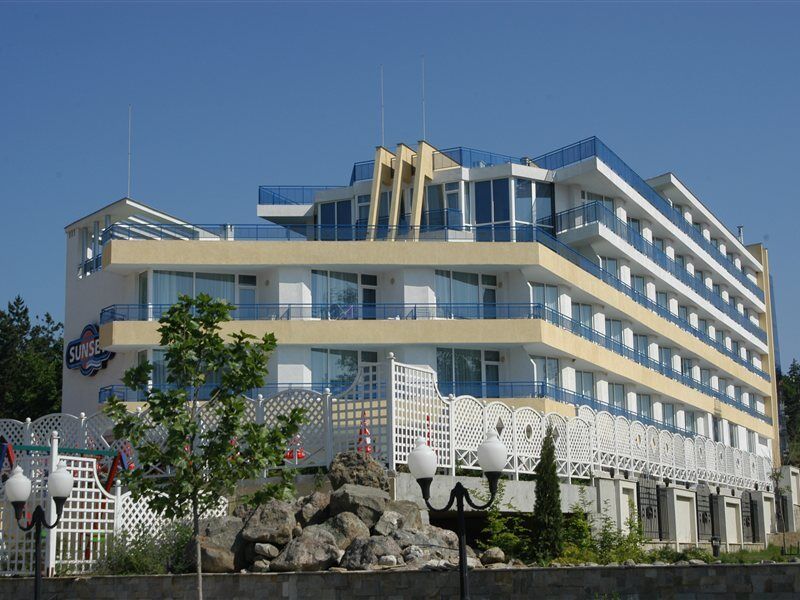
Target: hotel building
[(552, 282)]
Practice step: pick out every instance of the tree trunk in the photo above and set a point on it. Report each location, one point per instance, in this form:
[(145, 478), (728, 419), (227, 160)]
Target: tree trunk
[(199, 569)]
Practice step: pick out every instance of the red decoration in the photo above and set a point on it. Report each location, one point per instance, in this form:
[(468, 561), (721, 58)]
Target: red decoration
[(364, 436), (295, 452)]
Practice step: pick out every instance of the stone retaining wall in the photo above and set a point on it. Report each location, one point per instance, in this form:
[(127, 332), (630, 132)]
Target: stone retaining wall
[(773, 581)]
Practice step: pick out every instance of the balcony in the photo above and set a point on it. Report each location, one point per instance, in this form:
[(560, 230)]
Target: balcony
[(595, 212), (291, 194), (455, 311), (593, 147)]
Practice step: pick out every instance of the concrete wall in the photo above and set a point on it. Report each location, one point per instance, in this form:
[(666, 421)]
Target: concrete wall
[(708, 582)]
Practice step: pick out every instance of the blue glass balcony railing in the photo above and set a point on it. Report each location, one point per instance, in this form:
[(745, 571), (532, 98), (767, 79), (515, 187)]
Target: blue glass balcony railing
[(481, 233), (290, 194), (126, 394), (595, 212), (135, 312), (593, 147)]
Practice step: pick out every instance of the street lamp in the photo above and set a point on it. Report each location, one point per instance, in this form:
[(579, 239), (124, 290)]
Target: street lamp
[(18, 489), (492, 455)]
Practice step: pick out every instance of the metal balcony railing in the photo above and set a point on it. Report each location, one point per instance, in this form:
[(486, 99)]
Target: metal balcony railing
[(595, 212), (136, 312), (593, 147), (290, 194)]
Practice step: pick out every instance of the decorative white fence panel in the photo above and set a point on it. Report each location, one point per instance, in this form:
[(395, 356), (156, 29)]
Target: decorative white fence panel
[(384, 412)]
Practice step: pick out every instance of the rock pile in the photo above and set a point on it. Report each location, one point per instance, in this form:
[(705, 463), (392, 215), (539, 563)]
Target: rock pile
[(356, 527)]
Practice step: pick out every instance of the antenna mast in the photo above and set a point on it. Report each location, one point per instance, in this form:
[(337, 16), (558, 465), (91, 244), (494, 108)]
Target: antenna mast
[(130, 112), (383, 129), (424, 132)]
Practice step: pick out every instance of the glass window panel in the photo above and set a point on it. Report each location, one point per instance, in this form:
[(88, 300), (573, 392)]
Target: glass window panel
[(640, 344), (616, 395), (669, 414), (665, 356), (169, 285), (543, 206), (467, 365), (343, 288), (523, 200), (465, 288), (584, 383), (442, 282), (159, 374), (218, 286), (444, 364), (644, 405), (319, 287), (638, 283), (491, 355), (500, 199), (614, 329), (483, 201)]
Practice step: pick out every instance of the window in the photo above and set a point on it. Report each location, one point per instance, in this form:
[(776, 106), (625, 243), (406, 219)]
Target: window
[(719, 335), (441, 206), (698, 274), (492, 207), (683, 313), (722, 386), (640, 345), (247, 298), (737, 394), (584, 383), (362, 216), (735, 347), (616, 395), (705, 377), (644, 405), (465, 371), (690, 421), (545, 204), (669, 414), (336, 220), (582, 314), (716, 289), (659, 243), (335, 368), (523, 201), (546, 370), (680, 259), (334, 294), (635, 225), (610, 265), (716, 425), (614, 330), (702, 325), (665, 356), (733, 432), (686, 367), (168, 286), (608, 203), (637, 283), (546, 295), (218, 286), (752, 441), (661, 299)]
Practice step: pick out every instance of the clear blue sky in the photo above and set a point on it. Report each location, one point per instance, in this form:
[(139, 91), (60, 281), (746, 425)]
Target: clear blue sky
[(230, 96)]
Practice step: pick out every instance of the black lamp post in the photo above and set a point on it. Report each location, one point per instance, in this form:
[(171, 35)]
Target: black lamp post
[(492, 457), (18, 489)]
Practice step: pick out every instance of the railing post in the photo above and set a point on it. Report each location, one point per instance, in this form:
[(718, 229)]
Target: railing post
[(260, 409), (515, 449), (117, 506), (50, 511), (452, 416), (26, 434), (390, 411), (328, 424), (84, 434)]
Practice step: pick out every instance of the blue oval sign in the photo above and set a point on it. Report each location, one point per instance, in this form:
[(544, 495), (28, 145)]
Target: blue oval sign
[(85, 352)]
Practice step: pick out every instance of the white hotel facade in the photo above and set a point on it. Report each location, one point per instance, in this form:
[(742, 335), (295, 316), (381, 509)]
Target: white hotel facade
[(554, 282)]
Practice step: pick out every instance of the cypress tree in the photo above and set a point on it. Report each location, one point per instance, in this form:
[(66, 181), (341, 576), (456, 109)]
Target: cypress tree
[(547, 522)]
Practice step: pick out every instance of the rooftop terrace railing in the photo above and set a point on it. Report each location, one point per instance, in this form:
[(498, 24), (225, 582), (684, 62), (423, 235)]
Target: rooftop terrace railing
[(595, 212), (136, 312), (593, 147), (291, 194)]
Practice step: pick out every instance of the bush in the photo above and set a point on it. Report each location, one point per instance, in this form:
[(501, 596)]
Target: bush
[(670, 555), (505, 531), (145, 552)]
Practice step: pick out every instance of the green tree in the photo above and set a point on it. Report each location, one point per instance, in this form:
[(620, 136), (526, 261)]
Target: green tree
[(202, 463), (789, 393), (547, 521), (31, 355)]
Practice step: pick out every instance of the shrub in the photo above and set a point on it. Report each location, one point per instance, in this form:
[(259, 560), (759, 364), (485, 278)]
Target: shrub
[(145, 552), (547, 522), (505, 531)]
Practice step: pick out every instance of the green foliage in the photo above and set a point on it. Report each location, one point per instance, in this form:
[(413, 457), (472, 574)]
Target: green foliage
[(506, 531), (668, 554), (753, 556), (789, 393), (595, 538), (145, 552), (547, 520), (31, 354), (202, 467)]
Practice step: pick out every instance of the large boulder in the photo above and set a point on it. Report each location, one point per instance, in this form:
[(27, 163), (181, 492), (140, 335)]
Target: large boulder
[(345, 527), (366, 503), (309, 552), (493, 556), (389, 522), (363, 553), (271, 523), (314, 508), (359, 469), (412, 515), (221, 545)]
